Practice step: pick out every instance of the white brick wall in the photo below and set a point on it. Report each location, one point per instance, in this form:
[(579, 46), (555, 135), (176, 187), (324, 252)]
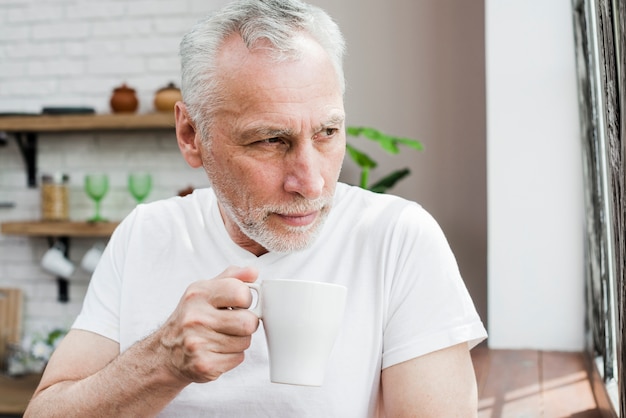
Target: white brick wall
[(73, 53)]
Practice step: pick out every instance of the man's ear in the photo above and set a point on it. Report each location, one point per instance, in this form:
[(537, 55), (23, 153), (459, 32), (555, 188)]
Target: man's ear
[(186, 136)]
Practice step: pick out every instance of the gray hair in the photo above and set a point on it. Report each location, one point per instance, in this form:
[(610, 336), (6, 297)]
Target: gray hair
[(278, 21)]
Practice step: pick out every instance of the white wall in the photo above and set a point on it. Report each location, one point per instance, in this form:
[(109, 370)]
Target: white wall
[(535, 201)]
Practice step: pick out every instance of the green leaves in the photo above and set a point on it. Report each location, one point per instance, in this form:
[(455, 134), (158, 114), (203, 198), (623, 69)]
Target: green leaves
[(388, 143), (360, 158), (55, 335), (389, 180), (364, 162)]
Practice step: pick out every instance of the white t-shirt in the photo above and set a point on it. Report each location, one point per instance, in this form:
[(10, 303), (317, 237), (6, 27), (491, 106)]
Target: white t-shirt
[(405, 297)]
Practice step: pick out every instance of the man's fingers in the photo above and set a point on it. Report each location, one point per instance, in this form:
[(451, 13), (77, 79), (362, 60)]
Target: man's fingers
[(211, 327), (245, 274), (234, 322), (229, 293)]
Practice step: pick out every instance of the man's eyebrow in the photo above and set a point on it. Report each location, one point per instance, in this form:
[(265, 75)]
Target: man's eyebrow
[(271, 132), (266, 132), (337, 119)]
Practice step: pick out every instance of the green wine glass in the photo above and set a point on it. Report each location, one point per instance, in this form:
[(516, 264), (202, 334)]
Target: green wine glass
[(96, 187), (139, 185)]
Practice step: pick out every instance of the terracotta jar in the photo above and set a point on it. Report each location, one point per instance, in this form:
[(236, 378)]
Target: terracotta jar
[(124, 100), (166, 97)]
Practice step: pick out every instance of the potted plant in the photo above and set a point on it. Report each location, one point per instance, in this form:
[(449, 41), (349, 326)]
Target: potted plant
[(388, 143)]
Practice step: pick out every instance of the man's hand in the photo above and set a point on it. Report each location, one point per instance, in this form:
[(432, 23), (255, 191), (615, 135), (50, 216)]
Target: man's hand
[(211, 327), (205, 336)]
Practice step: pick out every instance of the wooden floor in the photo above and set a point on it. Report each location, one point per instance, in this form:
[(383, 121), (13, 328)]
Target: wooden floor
[(529, 384)]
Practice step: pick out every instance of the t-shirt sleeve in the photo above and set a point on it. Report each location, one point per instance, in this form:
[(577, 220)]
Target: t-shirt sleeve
[(101, 307), (428, 305)]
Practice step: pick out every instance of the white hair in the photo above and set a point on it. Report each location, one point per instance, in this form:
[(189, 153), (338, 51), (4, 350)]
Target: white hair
[(277, 22)]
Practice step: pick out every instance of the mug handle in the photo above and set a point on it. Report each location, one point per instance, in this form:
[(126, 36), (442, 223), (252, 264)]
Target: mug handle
[(59, 246), (256, 307)]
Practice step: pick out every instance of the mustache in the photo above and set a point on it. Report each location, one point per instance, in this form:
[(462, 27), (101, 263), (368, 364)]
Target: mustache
[(299, 206)]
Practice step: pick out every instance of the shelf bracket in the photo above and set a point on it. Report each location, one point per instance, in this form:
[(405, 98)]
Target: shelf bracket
[(27, 143), (62, 283)]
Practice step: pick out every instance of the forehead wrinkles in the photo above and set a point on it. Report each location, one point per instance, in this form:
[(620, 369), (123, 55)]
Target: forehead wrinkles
[(239, 65), (265, 97)]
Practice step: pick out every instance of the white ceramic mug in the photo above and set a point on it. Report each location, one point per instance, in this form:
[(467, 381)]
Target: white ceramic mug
[(92, 257), (301, 321), (55, 262)]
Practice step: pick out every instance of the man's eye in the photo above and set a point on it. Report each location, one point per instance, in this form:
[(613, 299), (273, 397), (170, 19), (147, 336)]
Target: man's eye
[(327, 133), (274, 140)]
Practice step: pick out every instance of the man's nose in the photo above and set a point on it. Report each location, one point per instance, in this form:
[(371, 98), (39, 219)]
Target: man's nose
[(304, 172)]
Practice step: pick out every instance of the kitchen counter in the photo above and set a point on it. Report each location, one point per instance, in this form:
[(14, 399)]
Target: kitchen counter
[(15, 392)]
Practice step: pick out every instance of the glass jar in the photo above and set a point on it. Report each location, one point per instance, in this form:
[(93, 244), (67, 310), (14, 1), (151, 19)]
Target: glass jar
[(55, 197)]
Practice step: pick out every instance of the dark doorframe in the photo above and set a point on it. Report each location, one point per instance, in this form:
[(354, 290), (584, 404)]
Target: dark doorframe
[(599, 27)]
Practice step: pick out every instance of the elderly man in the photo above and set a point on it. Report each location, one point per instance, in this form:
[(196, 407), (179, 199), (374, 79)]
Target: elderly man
[(263, 115)]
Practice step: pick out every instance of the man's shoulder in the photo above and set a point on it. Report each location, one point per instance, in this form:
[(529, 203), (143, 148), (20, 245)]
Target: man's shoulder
[(196, 200), (355, 207), (173, 213), (347, 196)]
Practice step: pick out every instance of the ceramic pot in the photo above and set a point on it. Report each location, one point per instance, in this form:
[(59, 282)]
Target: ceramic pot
[(166, 97), (124, 100)]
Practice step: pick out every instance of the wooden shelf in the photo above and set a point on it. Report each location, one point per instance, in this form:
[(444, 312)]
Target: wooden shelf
[(59, 229), (25, 129), (90, 122)]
